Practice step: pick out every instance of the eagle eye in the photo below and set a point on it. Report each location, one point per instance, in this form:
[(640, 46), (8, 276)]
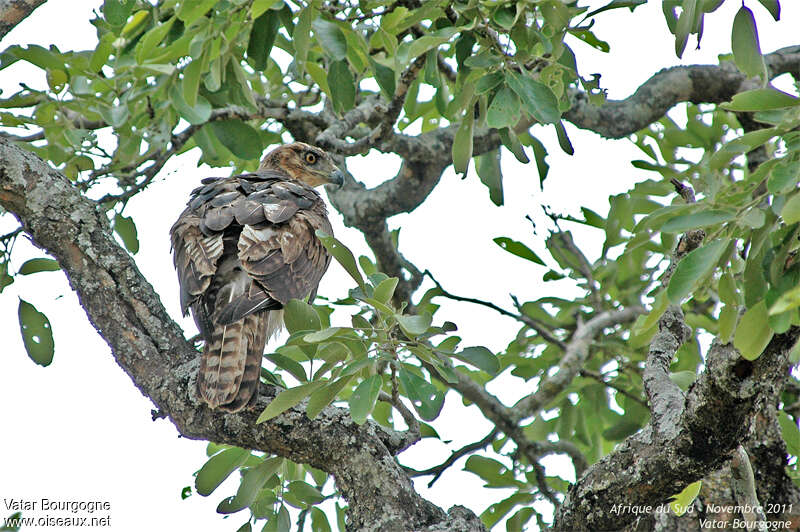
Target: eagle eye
[(311, 157)]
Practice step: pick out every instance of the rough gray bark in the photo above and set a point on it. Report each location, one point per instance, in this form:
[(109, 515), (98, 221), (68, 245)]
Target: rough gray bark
[(718, 413), (12, 12), (152, 350)]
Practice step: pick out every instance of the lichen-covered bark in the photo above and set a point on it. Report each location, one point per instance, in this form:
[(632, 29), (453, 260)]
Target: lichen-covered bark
[(12, 12), (152, 350), (717, 416)]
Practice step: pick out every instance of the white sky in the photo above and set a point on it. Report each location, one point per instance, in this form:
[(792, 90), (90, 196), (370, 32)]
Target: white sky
[(79, 430)]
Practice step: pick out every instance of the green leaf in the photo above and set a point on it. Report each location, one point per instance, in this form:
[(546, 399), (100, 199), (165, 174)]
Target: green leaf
[(283, 359), (300, 316), (5, 279), (218, 468), (512, 143), (783, 175), (116, 12), (252, 482), (787, 301), (753, 332), (278, 522), (774, 8), (538, 99), (685, 25), (193, 10), (384, 76), (683, 379), (325, 395), (407, 51), (488, 469), (685, 222), (620, 430), (727, 289), (518, 248), (563, 138), (488, 82), (791, 210), (790, 433), (242, 140), (414, 325), (744, 43), (693, 268), (321, 336), (262, 37), (343, 255), (427, 400), (287, 399), (539, 154), (331, 39), (342, 85), (305, 492), (126, 229), (151, 39), (481, 358), (761, 100), (682, 501), (504, 109), (319, 521), (37, 335), (39, 265), (488, 168), (104, 48), (195, 115), (362, 401), (727, 322), (385, 290), (190, 83), (462, 142), (260, 7)]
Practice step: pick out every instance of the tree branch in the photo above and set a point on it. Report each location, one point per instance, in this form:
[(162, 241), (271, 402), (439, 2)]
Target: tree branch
[(12, 12), (664, 396), (575, 354), (152, 350), (696, 83), (470, 448), (716, 416)]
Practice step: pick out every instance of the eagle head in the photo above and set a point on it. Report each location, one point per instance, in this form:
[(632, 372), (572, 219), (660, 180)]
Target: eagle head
[(304, 163)]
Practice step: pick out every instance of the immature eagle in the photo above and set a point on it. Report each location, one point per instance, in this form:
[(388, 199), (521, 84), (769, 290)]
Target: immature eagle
[(245, 246)]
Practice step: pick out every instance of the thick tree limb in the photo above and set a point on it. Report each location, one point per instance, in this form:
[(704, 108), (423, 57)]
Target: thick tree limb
[(696, 83), (12, 12), (152, 350), (664, 397), (717, 414)]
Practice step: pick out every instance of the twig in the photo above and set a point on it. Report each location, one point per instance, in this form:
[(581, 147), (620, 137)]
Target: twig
[(575, 354), (437, 470), (619, 389), (527, 320), (334, 136), (412, 435), (544, 448)]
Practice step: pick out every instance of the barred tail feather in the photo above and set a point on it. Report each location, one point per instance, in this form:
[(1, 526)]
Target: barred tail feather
[(254, 339), (230, 367)]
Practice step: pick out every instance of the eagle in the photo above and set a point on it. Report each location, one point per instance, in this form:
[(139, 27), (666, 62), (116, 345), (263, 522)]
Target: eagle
[(243, 247)]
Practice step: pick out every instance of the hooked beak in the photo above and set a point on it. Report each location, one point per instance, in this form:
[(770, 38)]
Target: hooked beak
[(336, 178)]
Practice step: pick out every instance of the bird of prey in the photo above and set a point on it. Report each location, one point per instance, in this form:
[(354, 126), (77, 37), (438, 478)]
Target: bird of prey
[(243, 247)]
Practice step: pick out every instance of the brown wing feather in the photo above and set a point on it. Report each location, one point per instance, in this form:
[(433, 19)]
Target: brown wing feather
[(244, 246)]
